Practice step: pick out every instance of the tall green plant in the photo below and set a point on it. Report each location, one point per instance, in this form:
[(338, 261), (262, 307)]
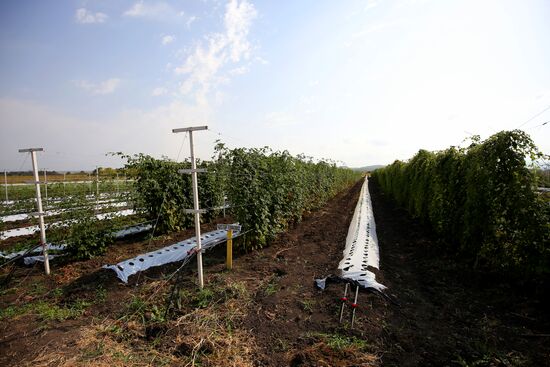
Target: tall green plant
[(163, 193), (271, 190), (481, 200), (268, 191)]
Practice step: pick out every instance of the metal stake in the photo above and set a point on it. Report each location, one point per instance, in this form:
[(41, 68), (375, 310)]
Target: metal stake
[(354, 305), (343, 299), (39, 206)]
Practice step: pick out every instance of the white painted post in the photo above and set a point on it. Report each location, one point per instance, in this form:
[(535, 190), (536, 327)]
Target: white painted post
[(97, 186), (46, 188), (196, 209), (6, 185), (39, 206)]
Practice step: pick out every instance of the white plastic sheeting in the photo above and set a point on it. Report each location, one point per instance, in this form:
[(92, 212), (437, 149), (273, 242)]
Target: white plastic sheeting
[(36, 250), (181, 251), (24, 231), (132, 230), (361, 248), (32, 259), (24, 216)]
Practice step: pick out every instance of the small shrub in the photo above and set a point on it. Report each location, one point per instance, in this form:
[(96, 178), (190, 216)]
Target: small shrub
[(88, 237)]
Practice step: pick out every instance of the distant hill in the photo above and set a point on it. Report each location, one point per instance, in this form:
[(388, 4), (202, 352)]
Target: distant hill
[(369, 168)]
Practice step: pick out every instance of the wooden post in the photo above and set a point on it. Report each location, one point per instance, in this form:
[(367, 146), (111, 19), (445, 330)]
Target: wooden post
[(229, 259), (229, 248)]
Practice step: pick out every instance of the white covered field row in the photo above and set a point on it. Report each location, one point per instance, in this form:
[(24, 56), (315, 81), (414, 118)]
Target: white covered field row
[(22, 206), (24, 231), (101, 205)]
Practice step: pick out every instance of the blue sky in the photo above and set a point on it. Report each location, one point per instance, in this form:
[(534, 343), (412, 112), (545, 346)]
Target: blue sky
[(361, 82)]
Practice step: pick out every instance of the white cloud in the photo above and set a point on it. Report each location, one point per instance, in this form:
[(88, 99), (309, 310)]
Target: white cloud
[(203, 65), (85, 16), (190, 21), (281, 119), (238, 18), (105, 87), (159, 91), (91, 138), (151, 10), (371, 4), (261, 60), (379, 27), (168, 39), (239, 71)]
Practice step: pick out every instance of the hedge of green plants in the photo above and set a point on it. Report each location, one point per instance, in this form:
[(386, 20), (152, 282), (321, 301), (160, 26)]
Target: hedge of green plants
[(481, 200), (267, 190), (162, 193)]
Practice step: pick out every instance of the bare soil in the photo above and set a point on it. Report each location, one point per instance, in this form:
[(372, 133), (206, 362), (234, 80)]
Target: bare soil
[(267, 312)]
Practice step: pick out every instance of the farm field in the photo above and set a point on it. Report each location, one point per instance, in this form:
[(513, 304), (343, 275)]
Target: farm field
[(250, 183), (52, 177), (267, 312), (60, 189)]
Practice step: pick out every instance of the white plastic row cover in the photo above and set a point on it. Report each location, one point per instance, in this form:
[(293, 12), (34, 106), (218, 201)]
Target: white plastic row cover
[(32, 259), (35, 250), (361, 249), (23, 216), (24, 231), (181, 251)]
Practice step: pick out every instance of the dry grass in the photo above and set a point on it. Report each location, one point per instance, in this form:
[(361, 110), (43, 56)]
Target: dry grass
[(325, 355), (205, 335)]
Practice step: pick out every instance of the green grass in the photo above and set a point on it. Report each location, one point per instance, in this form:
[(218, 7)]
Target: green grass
[(271, 288), (46, 311), (101, 294), (339, 342), (307, 305), (204, 297)]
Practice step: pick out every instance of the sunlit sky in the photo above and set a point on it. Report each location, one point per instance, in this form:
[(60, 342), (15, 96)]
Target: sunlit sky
[(360, 82)]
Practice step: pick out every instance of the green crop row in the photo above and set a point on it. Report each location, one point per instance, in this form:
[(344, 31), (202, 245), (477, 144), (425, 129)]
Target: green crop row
[(481, 200), (268, 191)]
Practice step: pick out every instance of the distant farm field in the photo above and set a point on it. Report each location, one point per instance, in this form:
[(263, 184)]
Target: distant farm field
[(15, 179)]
